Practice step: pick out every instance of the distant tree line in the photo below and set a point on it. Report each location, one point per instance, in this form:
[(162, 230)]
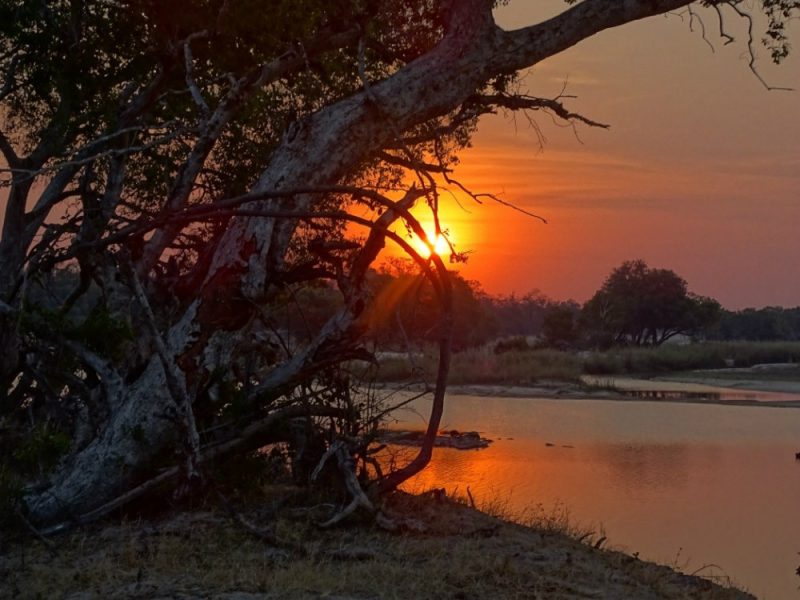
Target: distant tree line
[(772, 323), (637, 305)]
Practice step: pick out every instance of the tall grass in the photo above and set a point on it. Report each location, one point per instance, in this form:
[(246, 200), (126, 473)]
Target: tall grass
[(483, 366), (527, 367), (517, 367), (668, 358)]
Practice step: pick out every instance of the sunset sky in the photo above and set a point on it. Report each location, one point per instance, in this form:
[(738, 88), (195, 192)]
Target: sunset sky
[(699, 173)]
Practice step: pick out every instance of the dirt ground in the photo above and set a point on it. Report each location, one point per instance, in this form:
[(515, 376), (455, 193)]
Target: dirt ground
[(440, 549)]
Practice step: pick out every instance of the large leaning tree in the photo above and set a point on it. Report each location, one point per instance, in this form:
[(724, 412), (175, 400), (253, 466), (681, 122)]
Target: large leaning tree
[(173, 171)]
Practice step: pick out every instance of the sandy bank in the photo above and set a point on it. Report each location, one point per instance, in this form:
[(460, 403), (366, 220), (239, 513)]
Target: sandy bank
[(709, 387)]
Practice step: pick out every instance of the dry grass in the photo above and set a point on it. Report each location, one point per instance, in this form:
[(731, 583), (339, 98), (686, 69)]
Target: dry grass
[(483, 366), (670, 358), (460, 554), (518, 368), (529, 367)]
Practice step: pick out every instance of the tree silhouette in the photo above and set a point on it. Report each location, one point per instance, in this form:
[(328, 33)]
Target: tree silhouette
[(641, 306), (193, 165)]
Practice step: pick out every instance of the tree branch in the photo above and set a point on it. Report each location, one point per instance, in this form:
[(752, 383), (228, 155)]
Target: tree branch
[(249, 438), (12, 159), (347, 469), (175, 382), (525, 102), (240, 91), (525, 47), (751, 63), (197, 95)]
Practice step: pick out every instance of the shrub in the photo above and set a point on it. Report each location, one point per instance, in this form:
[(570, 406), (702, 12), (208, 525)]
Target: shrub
[(514, 344)]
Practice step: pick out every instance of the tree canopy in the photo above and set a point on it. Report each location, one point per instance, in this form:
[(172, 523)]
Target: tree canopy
[(640, 305), (177, 175)]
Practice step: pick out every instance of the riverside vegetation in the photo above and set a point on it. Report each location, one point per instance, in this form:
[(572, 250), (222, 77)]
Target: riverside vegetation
[(515, 362)]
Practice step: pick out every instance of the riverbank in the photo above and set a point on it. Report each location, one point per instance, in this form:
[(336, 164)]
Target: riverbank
[(445, 550), (760, 385)]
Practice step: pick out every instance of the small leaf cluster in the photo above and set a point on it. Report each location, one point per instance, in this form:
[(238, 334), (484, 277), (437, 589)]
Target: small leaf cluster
[(779, 13)]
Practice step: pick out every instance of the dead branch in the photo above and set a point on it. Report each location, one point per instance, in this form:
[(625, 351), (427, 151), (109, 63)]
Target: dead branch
[(721, 22), (751, 52), (249, 438), (51, 547), (523, 102), (109, 377), (265, 534), (175, 383), (194, 90), (332, 449), (360, 500), (478, 197)]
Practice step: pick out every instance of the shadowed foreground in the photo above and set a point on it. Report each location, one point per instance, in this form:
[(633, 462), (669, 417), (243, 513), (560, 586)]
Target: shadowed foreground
[(446, 550)]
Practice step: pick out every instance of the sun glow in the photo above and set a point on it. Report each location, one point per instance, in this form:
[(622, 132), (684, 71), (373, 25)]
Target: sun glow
[(439, 244), (459, 231)]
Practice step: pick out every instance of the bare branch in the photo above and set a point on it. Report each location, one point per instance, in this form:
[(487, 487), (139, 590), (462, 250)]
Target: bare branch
[(751, 49), (197, 95), (328, 453), (525, 102), (525, 47), (87, 155), (109, 377), (360, 500), (721, 21), (7, 149), (478, 197), (175, 383), (694, 16), (249, 438)]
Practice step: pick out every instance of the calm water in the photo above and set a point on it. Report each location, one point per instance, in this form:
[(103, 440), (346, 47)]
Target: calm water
[(688, 485)]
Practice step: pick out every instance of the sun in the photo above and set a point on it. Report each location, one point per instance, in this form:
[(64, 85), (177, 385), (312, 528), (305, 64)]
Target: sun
[(440, 246)]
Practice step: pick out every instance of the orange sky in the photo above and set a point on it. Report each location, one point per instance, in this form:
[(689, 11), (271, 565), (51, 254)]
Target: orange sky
[(700, 172)]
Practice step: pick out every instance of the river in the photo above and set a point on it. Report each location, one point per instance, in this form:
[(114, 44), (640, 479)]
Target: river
[(706, 488)]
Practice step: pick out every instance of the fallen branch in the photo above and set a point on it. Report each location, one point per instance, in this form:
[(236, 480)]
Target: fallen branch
[(347, 468), (51, 547), (249, 438), (264, 534)]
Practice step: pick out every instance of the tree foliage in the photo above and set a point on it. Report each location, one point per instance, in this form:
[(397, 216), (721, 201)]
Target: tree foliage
[(772, 323), (640, 305)]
